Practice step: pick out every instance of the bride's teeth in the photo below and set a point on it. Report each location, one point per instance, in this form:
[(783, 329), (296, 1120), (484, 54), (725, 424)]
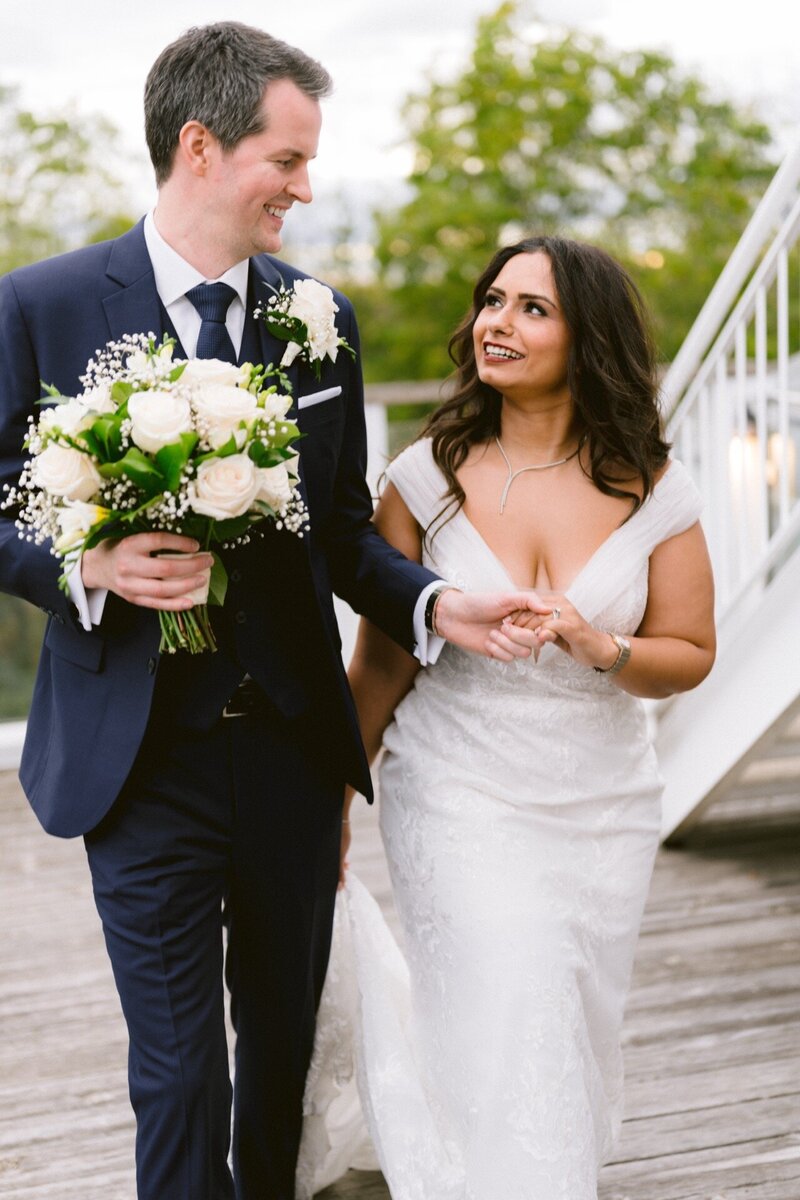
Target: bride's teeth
[(502, 352)]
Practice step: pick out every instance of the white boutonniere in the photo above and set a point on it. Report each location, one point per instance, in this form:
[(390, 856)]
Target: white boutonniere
[(305, 318)]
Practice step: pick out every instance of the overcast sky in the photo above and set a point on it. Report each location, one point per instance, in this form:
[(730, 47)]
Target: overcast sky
[(96, 54)]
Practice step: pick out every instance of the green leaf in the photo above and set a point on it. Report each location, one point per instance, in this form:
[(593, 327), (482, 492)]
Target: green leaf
[(228, 531), (104, 437), (50, 391), (218, 585), (291, 329), (269, 456), (172, 459), (137, 467), (286, 432), (224, 451), (121, 392)]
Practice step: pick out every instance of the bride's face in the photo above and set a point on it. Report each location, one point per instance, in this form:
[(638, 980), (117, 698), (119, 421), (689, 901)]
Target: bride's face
[(520, 336)]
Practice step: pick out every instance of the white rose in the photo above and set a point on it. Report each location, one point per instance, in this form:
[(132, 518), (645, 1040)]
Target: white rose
[(313, 304), (158, 419), (312, 301), (62, 471), (213, 370), (224, 487), (220, 409), (70, 416), (276, 406), (98, 399), (274, 486), (75, 519)]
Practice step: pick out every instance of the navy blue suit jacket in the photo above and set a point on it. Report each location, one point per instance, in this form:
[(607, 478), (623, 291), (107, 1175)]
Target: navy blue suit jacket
[(94, 690)]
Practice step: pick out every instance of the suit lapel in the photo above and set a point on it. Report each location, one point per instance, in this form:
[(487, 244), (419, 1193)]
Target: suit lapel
[(265, 280), (133, 306)]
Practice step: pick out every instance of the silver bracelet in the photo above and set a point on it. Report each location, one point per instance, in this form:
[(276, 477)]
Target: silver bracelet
[(431, 604), (623, 654)]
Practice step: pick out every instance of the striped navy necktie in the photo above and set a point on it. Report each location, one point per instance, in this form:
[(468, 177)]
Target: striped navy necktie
[(212, 301)]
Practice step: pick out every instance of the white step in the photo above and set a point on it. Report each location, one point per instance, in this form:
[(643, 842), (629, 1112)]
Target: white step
[(747, 712)]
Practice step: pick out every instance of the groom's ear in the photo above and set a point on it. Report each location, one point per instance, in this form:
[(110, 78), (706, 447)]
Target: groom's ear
[(196, 149)]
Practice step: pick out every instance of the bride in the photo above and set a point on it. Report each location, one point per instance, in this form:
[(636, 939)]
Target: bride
[(519, 797)]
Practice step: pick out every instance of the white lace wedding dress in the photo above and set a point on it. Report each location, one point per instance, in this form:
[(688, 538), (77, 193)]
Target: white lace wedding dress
[(520, 815)]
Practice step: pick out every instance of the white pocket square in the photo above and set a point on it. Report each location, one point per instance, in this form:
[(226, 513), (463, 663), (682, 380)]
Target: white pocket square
[(318, 397)]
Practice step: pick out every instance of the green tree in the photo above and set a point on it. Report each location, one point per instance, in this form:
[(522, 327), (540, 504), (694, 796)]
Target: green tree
[(58, 190), (551, 130)]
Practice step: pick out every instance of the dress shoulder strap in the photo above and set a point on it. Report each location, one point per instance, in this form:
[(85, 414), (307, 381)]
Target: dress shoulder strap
[(674, 505), (419, 481)]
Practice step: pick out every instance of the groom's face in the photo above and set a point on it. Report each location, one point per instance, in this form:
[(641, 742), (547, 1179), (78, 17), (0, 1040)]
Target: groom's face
[(253, 186)]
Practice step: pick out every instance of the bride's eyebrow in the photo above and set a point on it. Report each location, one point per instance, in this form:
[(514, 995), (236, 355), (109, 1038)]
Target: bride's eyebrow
[(497, 291)]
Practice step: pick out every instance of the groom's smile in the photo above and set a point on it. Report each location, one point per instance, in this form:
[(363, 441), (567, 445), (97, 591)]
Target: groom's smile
[(250, 188)]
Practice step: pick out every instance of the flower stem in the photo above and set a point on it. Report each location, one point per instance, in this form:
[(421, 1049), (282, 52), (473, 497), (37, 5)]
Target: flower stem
[(190, 631)]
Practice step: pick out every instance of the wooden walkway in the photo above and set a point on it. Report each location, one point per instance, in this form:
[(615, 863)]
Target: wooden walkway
[(712, 1036)]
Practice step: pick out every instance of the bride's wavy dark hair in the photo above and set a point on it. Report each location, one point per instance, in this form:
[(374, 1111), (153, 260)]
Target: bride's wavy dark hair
[(611, 374)]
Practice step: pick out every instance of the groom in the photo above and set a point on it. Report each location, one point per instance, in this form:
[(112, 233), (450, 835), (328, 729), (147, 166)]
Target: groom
[(216, 780)]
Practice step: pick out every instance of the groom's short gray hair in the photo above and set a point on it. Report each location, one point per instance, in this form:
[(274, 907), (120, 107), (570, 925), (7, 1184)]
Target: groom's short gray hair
[(216, 74)]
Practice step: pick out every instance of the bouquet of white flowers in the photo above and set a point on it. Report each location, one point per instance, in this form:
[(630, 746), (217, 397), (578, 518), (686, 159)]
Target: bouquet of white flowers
[(199, 448)]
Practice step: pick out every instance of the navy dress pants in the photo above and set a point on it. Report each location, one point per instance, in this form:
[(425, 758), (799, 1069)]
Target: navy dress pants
[(242, 819)]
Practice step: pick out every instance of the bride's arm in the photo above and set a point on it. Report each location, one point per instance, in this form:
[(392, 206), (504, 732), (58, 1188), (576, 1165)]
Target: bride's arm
[(675, 645), (381, 672)]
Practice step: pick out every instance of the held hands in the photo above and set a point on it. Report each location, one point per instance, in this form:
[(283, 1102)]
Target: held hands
[(502, 625), (549, 617), (130, 568)]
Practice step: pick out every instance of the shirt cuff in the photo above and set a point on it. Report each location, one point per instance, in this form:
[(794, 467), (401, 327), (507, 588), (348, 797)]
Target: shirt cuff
[(428, 646), (90, 604)]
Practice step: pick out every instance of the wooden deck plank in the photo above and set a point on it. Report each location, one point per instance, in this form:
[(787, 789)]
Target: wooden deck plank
[(712, 1033)]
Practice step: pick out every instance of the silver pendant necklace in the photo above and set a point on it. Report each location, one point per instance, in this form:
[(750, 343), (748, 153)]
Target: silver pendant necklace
[(512, 474)]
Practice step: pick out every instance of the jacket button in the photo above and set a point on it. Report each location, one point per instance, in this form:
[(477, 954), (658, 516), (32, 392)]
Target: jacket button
[(151, 666), (236, 576), (240, 618)]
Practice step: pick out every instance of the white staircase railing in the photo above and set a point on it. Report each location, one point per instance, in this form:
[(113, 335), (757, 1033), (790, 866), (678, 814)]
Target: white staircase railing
[(733, 395)]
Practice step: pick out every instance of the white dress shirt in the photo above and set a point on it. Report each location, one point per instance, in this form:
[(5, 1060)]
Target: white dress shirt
[(174, 277)]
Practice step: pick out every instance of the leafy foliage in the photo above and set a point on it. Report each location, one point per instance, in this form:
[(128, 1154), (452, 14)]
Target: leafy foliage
[(57, 185), (548, 130), (57, 190)]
